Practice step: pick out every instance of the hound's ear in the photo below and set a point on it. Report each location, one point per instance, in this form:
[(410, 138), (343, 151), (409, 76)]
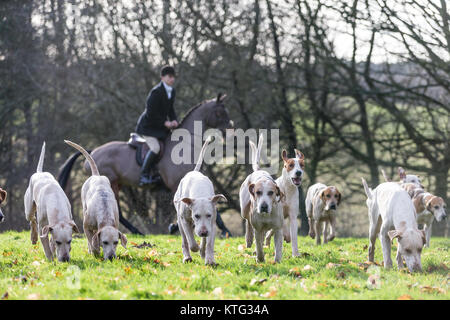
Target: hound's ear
[(284, 155), (74, 227), (188, 201), (339, 196), (123, 239), (218, 197), (299, 154), (96, 240), (281, 196), (428, 204), (401, 173), (3, 195), (321, 195), (394, 234), (251, 189), (45, 231)]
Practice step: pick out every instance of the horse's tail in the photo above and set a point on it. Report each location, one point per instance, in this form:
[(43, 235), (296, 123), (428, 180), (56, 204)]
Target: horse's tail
[(64, 174), (202, 154), (41, 159), (256, 152), (91, 161)]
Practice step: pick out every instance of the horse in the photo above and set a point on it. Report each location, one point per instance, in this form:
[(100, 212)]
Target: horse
[(117, 160)]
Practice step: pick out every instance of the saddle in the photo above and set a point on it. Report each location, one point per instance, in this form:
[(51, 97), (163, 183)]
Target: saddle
[(138, 143)]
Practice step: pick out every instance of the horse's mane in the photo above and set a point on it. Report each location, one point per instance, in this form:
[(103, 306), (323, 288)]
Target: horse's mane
[(192, 109)]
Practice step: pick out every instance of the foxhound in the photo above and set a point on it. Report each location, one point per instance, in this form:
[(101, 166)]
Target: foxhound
[(100, 211), (392, 215), (195, 203), (289, 181), (404, 178), (260, 198), (321, 206), (428, 207), (45, 197)]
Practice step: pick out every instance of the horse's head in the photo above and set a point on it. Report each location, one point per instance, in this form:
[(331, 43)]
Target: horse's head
[(217, 115)]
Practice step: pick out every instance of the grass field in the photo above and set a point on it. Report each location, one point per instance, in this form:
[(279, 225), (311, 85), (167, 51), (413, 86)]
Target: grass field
[(337, 270)]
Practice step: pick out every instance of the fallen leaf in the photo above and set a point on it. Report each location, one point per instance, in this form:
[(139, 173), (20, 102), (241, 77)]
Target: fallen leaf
[(307, 268), (304, 254), (241, 247), (152, 253), (128, 270), (217, 291), (295, 271), (36, 263), (5, 295), (34, 296), (257, 281), (332, 265), (405, 297), (429, 289), (271, 293), (373, 282)]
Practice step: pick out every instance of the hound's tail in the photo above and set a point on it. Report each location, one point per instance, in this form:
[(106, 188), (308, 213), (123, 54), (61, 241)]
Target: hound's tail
[(256, 152), (386, 178), (367, 189), (88, 157), (202, 154), (41, 159)]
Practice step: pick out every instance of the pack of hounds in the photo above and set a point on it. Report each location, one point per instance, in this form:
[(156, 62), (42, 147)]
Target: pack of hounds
[(269, 207)]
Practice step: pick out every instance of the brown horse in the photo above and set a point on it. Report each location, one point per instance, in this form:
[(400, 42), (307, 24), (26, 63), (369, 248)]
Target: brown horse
[(117, 160)]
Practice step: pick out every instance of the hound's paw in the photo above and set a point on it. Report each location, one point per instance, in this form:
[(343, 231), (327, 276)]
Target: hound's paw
[(194, 247), (330, 238), (312, 235), (187, 260), (211, 263)]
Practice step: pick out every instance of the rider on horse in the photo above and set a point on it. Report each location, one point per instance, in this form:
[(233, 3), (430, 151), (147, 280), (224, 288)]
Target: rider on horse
[(156, 121)]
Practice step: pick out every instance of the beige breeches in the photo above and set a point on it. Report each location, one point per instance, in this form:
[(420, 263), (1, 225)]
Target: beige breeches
[(152, 143)]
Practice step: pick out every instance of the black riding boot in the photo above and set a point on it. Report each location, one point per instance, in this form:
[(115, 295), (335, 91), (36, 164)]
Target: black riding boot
[(149, 162)]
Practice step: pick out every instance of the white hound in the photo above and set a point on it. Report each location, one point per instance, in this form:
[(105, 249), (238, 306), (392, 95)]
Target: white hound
[(45, 197), (195, 203), (260, 198), (100, 211), (289, 181), (392, 215)]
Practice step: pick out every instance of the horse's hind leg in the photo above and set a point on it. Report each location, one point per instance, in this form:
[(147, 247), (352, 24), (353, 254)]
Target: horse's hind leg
[(221, 225), (122, 220)]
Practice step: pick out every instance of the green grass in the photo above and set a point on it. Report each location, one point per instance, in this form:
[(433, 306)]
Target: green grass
[(333, 271)]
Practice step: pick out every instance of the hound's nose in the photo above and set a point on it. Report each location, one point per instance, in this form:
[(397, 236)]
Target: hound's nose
[(333, 206), (264, 207), (298, 173), (65, 258), (111, 257)]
